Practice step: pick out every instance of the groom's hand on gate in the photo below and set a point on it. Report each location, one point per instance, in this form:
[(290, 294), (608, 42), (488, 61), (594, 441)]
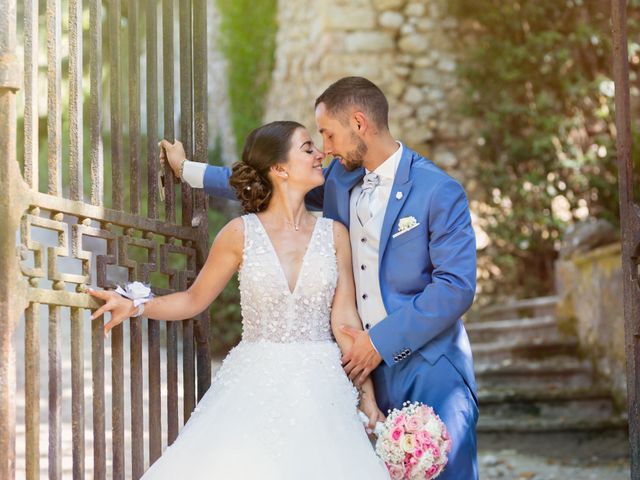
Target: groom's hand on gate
[(362, 359), (174, 154)]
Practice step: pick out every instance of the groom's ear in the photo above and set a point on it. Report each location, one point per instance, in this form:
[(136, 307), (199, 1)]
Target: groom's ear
[(360, 122)]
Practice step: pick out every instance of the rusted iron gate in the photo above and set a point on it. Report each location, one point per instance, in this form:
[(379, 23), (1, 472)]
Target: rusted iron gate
[(25, 287), (630, 224)]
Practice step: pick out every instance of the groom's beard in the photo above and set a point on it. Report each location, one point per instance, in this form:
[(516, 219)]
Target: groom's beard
[(353, 159)]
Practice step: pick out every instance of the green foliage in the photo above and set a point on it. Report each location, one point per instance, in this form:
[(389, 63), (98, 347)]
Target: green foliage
[(539, 83), (247, 33)]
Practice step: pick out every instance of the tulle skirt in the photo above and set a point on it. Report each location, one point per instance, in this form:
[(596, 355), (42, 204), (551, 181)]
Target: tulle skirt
[(279, 411)]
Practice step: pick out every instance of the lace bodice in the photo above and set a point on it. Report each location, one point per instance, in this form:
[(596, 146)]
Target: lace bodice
[(270, 310)]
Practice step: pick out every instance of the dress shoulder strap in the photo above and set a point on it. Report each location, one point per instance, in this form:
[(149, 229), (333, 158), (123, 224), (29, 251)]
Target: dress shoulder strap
[(325, 233), (251, 234)]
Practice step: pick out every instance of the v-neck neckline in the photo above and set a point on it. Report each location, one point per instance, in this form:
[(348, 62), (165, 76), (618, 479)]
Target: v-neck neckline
[(277, 258)]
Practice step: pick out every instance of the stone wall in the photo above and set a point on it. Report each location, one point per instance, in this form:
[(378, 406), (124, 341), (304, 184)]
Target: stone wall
[(407, 48), (590, 292)]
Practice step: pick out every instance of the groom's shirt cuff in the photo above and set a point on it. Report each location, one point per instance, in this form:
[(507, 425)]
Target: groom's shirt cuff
[(193, 173)]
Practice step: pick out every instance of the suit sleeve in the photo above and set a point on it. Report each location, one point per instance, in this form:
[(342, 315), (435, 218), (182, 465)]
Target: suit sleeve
[(314, 200), (216, 182), (452, 249)]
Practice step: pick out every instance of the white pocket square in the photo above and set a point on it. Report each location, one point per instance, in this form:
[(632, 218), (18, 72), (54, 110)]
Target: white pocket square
[(401, 232)]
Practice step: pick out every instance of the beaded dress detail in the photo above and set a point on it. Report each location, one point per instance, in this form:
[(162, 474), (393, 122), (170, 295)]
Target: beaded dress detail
[(280, 407), (270, 310)]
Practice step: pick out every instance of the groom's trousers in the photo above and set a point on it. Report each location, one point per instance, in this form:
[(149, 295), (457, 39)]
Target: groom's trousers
[(440, 386)]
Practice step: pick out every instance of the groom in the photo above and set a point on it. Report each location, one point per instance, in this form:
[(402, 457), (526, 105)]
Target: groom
[(414, 260)]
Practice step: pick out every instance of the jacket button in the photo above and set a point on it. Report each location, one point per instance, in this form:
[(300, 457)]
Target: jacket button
[(364, 296), (363, 267), (363, 240), (367, 326)]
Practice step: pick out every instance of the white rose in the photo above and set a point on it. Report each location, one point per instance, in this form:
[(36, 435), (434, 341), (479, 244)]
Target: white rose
[(138, 290), (408, 443), (428, 457), (433, 428)]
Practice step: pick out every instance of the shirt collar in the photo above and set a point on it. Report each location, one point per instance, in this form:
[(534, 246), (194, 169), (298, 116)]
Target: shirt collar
[(387, 169)]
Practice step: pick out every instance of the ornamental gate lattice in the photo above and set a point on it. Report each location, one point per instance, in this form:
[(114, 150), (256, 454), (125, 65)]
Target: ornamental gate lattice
[(150, 48)]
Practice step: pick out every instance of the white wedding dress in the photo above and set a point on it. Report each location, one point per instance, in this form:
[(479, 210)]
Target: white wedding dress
[(281, 406)]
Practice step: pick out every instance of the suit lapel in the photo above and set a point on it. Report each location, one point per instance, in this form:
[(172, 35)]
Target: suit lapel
[(347, 182), (399, 193)]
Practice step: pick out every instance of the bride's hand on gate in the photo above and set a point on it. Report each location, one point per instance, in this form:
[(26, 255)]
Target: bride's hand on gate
[(120, 307), (369, 407)]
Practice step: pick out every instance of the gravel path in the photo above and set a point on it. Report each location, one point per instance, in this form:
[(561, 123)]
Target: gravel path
[(510, 465)]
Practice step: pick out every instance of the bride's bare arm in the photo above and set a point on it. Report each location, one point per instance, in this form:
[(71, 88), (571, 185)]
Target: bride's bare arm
[(223, 261), (343, 310), (345, 313)]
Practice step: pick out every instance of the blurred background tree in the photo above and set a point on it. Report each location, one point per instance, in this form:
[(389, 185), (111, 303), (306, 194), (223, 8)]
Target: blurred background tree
[(248, 39), (538, 82)]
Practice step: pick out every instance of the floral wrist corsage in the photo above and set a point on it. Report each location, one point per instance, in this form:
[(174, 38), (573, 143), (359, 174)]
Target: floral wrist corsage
[(138, 292)]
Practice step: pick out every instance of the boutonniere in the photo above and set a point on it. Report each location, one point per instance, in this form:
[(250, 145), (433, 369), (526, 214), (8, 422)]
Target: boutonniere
[(405, 224)]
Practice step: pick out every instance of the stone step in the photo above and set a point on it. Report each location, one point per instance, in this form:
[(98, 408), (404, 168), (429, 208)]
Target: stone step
[(580, 444), (553, 409), (521, 328), (551, 425), (528, 404), (566, 372), (532, 348), (528, 395), (530, 307)]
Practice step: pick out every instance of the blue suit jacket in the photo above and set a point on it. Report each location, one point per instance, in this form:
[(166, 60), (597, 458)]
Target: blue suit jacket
[(427, 275)]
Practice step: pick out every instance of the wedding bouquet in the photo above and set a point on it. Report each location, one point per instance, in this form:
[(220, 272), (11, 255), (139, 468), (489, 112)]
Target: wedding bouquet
[(413, 442)]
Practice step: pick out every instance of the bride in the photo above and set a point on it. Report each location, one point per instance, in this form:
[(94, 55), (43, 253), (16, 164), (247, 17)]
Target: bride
[(281, 406)]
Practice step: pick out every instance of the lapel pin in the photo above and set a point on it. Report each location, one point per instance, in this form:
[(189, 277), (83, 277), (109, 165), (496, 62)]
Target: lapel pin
[(399, 195)]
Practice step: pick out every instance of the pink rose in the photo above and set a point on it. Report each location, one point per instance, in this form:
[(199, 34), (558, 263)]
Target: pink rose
[(426, 412), (423, 438), (397, 433), (433, 470), (418, 452), (436, 451), (447, 446), (413, 424), (407, 469), (399, 421), (396, 472)]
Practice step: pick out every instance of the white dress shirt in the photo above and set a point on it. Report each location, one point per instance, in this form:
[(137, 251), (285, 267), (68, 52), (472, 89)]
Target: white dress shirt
[(193, 173)]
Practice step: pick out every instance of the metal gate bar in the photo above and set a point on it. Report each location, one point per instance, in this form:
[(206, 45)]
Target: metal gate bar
[(630, 224), (9, 304), (170, 210)]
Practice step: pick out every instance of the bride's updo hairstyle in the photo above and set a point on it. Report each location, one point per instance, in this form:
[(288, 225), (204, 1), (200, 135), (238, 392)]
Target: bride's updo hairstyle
[(265, 147)]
